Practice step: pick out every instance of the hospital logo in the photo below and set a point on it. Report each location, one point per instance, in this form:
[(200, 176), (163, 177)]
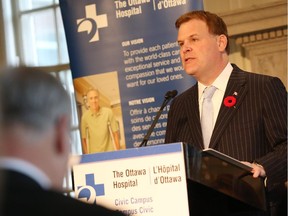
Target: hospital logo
[(90, 191), (92, 22)]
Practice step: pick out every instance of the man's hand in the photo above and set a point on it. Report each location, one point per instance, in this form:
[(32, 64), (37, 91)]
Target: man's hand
[(257, 169)]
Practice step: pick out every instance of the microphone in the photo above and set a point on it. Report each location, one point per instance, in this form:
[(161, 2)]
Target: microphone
[(168, 96), (171, 94)]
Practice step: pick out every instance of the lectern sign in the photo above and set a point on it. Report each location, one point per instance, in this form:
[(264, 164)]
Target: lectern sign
[(138, 181)]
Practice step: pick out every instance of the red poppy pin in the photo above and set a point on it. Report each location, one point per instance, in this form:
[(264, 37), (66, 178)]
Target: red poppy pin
[(230, 101)]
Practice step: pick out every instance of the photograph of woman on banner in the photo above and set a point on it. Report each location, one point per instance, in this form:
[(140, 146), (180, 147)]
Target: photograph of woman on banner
[(99, 128)]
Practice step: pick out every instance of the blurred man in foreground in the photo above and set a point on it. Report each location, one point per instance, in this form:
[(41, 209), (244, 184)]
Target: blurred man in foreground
[(35, 146)]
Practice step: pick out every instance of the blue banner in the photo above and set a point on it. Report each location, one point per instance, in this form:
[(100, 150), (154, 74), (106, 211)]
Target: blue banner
[(129, 46)]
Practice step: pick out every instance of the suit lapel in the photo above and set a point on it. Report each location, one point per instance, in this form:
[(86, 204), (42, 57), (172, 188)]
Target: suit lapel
[(192, 109), (236, 84)]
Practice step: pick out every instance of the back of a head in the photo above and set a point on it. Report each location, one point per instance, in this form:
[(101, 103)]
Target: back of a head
[(35, 110), (32, 98)]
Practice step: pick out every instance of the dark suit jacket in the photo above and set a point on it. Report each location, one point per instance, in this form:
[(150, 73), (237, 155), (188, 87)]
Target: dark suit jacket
[(21, 195), (254, 130)]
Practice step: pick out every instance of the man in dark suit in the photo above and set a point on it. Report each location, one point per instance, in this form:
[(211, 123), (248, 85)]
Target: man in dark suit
[(34, 147), (249, 113)]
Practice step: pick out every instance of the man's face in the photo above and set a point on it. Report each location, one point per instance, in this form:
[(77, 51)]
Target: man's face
[(93, 99), (199, 49)]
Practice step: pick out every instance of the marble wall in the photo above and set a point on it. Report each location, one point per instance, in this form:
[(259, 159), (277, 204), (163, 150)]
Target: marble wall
[(258, 31)]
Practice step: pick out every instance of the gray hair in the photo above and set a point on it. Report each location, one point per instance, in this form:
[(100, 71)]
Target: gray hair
[(32, 98), (92, 89)]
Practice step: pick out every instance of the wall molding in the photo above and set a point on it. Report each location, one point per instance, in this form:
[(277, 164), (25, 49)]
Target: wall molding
[(256, 19), (255, 37), (261, 32)]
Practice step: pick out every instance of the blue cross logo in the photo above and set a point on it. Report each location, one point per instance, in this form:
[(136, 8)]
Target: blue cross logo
[(89, 191), (92, 22)]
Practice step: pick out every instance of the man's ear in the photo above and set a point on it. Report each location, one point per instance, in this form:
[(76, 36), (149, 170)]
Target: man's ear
[(222, 41), (62, 134)]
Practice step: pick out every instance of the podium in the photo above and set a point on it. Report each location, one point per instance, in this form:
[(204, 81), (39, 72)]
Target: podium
[(168, 179), (219, 183)]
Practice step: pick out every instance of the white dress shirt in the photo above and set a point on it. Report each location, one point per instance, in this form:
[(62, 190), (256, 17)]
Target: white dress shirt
[(220, 83)]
